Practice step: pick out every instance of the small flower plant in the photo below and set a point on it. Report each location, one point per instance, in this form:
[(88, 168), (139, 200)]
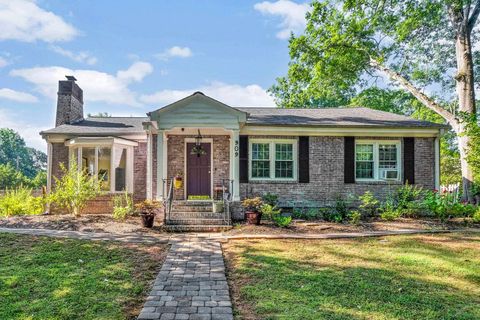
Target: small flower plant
[(252, 204), (148, 207)]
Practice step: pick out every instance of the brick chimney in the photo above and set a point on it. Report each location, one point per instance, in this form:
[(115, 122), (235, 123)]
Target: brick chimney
[(69, 102)]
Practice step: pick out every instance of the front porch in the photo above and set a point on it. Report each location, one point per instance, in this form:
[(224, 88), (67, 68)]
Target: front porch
[(197, 139)]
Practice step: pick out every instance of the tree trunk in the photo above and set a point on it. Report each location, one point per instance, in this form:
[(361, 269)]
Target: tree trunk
[(466, 101)]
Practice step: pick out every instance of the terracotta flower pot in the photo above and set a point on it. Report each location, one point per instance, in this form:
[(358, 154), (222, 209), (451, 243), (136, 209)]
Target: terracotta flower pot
[(253, 217), (147, 220)]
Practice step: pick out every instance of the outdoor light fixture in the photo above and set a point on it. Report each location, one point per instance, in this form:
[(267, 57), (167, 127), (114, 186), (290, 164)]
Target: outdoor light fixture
[(197, 149)]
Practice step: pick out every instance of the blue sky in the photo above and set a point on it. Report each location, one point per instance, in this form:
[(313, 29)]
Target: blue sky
[(131, 57)]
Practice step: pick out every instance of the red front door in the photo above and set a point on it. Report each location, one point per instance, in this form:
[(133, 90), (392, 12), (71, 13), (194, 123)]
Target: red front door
[(199, 171)]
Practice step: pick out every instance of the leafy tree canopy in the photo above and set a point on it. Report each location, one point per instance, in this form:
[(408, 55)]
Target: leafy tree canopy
[(13, 151)]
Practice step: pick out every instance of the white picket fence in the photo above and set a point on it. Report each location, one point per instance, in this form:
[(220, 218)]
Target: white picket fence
[(452, 191)]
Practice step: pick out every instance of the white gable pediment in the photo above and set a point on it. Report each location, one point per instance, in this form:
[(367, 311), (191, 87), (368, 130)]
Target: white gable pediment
[(198, 110)]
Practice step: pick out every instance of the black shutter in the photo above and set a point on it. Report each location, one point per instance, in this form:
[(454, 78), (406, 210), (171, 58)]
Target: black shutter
[(243, 159), (409, 160), (303, 160), (349, 160)]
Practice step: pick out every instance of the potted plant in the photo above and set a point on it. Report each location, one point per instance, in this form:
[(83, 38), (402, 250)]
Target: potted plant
[(147, 210), (178, 181), (218, 206), (252, 206)]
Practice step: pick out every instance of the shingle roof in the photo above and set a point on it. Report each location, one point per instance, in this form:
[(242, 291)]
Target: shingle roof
[(348, 117), (345, 117), (107, 125)]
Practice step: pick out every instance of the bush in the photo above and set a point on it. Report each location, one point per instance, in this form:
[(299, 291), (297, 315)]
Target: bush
[(444, 207), (274, 214), (307, 213), (122, 206), (369, 204), (282, 221), (354, 217), (407, 194), (476, 216), (20, 201), (271, 199), (74, 189), (389, 210), (333, 216)]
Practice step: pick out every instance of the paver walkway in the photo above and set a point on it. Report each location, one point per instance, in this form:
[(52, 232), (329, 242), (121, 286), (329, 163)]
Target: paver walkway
[(191, 284)]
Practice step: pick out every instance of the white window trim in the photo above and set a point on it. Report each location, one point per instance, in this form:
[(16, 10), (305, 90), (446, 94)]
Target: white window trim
[(111, 145), (376, 161), (272, 143)]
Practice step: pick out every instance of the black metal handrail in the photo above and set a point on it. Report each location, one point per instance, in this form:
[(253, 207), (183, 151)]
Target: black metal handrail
[(169, 200), (227, 198)]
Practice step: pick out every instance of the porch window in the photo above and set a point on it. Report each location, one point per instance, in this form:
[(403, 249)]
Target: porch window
[(377, 160), (273, 159), (108, 159)]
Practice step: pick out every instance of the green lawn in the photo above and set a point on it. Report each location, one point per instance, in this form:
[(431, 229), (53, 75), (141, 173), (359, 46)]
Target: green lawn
[(47, 278), (398, 277)]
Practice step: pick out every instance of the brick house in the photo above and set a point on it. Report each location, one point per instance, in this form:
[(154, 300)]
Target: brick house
[(306, 156)]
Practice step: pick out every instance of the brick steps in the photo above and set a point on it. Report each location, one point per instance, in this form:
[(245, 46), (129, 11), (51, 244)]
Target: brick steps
[(195, 216), (197, 228), (197, 222)]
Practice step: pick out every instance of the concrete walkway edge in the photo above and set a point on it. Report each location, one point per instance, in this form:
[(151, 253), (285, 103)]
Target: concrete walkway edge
[(166, 238)]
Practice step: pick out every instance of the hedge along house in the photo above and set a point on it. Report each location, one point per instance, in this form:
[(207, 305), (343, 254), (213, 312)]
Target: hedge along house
[(308, 157)]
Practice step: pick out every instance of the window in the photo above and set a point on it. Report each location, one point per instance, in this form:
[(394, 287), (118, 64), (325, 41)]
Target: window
[(377, 160), (273, 159), (110, 162)]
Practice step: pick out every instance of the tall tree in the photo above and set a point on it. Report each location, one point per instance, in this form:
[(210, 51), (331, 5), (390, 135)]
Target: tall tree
[(422, 47), (13, 151)]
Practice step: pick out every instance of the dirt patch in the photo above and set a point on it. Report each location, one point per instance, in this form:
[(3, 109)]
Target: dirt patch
[(322, 227), (85, 223)]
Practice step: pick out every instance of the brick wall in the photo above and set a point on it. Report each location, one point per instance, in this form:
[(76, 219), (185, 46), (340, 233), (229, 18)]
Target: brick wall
[(327, 177), (140, 171), (59, 155), (176, 159)]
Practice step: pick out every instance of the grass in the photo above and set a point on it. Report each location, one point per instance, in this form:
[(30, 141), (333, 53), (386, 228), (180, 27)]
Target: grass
[(47, 278), (398, 277)]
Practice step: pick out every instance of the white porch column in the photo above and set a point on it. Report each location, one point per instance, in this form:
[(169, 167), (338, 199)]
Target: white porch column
[(235, 163), (49, 167), (437, 163), (161, 164), (149, 166)]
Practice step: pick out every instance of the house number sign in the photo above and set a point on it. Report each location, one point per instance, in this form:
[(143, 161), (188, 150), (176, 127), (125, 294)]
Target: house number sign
[(236, 147)]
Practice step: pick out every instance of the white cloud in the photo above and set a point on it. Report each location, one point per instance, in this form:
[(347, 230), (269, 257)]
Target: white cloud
[(231, 94), (23, 20), (291, 13), (175, 52), (82, 56), (29, 132), (136, 72), (98, 86), (3, 62), (18, 96)]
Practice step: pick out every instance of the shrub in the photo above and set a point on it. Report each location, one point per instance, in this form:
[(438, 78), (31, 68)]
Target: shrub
[(369, 204), (269, 211), (444, 207), (407, 194), (20, 201), (307, 213), (74, 189), (282, 221), (333, 216), (389, 210), (122, 206), (354, 217), (476, 216), (270, 198)]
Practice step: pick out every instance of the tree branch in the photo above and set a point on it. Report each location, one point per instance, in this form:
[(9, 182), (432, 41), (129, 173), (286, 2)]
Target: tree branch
[(473, 18), (426, 101)]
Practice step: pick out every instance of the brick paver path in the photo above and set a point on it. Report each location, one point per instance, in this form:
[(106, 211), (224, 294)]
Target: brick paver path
[(191, 284)]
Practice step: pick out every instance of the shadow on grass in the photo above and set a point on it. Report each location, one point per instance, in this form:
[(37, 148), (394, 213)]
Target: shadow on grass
[(363, 287), (45, 278)]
